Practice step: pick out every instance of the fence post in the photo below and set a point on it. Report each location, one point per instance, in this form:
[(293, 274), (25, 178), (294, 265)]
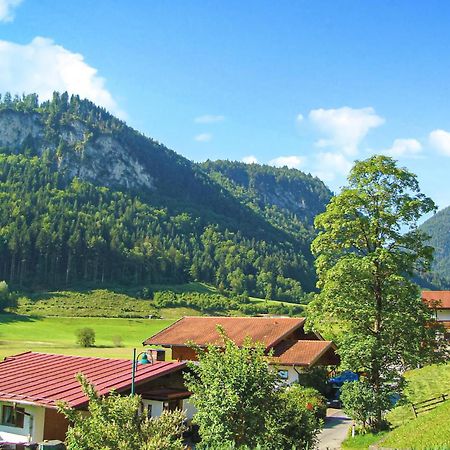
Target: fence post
[(414, 410)]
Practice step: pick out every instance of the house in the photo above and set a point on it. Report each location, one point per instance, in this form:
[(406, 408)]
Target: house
[(439, 301), (293, 349), (32, 383)]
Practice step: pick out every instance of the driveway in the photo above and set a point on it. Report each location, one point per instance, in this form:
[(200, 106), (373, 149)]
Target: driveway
[(335, 430)]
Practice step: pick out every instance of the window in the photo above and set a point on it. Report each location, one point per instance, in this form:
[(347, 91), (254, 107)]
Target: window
[(172, 405), (283, 374), (12, 417), (149, 411)]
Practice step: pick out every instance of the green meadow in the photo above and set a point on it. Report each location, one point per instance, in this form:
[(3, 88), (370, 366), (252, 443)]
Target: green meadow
[(48, 321), (430, 430), (58, 334)]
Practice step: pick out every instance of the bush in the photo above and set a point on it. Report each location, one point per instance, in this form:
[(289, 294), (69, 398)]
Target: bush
[(240, 404), (361, 403), (114, 423), (300, 416), (312, 399), (219, 303), (7, 300), (86, 337)]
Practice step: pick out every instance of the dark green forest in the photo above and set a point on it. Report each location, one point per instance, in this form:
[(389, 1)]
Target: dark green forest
[(243, 228), (438, 228)]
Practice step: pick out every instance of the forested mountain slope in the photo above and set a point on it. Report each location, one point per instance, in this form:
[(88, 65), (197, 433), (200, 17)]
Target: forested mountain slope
[(85, 198), (438, 228), (287, 198)]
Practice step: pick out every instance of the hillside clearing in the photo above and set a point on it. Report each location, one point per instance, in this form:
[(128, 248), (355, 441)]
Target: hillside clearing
[(121, 302)]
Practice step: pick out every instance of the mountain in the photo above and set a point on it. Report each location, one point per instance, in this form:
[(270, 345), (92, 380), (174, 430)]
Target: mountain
[(85, 198), (438, 228), (287, 198)]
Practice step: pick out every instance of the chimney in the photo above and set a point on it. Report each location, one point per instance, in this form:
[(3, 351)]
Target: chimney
[(156, 354)]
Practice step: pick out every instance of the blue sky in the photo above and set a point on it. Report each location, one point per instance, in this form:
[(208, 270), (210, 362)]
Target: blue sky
[(311, 84)]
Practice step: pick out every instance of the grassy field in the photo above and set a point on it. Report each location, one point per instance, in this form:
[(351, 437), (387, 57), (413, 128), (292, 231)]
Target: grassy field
[(57, 335), (422, 384), (430, 430), (111, 301), (120, 302)]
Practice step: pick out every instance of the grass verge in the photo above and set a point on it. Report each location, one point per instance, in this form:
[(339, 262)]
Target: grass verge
[(362, 441)]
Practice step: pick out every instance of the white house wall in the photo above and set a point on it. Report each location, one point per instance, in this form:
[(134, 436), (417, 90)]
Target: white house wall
[(189, 408), (292, 374), (443, 314), (18, 435)]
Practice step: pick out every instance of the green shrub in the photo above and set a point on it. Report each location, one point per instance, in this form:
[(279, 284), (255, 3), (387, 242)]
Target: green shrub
[(240, 404), (114, 423), (300, 416), (312, 399), (7, 299), (361, 403), (86, 337)]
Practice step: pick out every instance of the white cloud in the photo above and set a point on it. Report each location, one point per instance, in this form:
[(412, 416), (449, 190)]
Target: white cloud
[(7, 9), (344, 127), (203, 137), (209, 118), (43, 67), (293, 162), (440, 140), (404, 148), (250, 159), (330, 165), (300, 118)]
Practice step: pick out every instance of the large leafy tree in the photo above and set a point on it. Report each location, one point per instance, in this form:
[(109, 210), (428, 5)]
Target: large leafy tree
[(367, 250), (241, 404)]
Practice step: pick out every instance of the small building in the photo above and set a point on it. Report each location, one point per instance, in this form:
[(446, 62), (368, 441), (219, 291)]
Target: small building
[(293, 349), (31, 384), (439, 301)]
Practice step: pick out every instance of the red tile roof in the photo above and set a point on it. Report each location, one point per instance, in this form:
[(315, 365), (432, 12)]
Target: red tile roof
[(437, 299), (44, 378), (301, 352), (203, 330)]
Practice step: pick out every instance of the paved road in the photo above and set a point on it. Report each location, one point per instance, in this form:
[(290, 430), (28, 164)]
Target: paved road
[(334, 431)]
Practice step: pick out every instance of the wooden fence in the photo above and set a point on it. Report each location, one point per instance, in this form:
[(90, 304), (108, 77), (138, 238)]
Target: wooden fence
[(428, 405)]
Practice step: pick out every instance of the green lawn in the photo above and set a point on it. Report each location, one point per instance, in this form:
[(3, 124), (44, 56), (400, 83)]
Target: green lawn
[(57, 334), (362, 441), (430, 430), (424, 383)]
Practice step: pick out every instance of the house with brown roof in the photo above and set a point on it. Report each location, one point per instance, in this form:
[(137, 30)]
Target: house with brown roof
[(292, 348), (32, 383), (439, 302)]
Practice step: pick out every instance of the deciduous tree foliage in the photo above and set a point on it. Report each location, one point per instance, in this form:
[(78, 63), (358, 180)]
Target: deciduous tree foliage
[(115, 423), (367, 250), (240, 403), (7, 299)]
